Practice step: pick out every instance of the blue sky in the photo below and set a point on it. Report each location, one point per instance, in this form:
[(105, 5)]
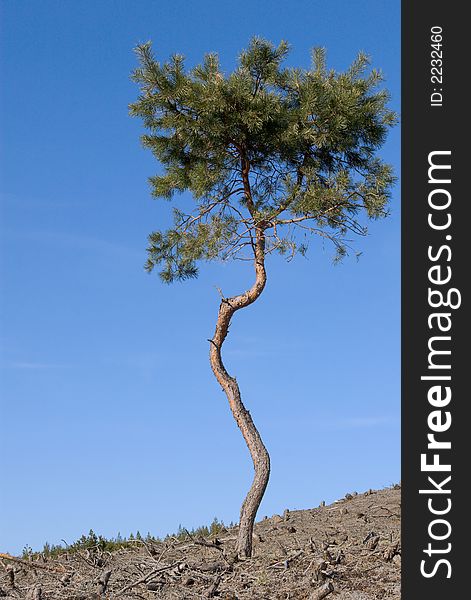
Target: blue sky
[(110, 416)]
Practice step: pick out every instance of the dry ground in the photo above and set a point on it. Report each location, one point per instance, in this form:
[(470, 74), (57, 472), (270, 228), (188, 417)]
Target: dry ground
[(349, 550)]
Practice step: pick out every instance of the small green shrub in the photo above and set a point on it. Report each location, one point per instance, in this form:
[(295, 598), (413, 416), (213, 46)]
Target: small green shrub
[(94, 542)]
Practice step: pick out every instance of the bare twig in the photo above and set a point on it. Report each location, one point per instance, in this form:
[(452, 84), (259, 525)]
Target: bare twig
[(147, 577), (32, 565)]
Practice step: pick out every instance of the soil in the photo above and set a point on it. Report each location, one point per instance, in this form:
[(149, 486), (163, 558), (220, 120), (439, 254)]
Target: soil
[(349, 550)]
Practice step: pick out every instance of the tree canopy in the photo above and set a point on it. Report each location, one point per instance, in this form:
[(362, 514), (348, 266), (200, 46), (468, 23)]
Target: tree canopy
[(303, 141)]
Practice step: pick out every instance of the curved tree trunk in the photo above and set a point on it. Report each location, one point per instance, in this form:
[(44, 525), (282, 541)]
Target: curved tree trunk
[(258, 452)]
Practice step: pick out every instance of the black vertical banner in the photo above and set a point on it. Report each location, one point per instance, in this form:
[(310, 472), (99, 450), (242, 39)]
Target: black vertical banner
[(436, 426)]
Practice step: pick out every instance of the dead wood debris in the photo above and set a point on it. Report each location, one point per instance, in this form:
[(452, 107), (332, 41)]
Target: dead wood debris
[(304, 555)]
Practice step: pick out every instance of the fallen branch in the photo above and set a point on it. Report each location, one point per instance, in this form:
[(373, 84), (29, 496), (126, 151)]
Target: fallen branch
[(213, 588), (33, 565), (286, 561), (322, 592), (103, 582), (146, 578), (35, 594)]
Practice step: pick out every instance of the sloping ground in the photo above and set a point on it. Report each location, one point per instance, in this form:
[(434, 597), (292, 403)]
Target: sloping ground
[(349, 550)]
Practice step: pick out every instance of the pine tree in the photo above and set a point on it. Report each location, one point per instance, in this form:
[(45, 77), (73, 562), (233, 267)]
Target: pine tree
[(269, 154)]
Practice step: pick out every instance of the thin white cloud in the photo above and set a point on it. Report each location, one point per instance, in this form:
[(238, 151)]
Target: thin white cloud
[(339, 424), (35, 202), (362, 422), (32, 365), (71, 240)]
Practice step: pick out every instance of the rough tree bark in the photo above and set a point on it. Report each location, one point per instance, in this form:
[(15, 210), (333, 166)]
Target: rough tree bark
[(258, 452)]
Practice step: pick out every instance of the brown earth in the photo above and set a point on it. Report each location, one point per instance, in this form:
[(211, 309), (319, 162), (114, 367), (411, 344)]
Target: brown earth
[(349, 550)]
